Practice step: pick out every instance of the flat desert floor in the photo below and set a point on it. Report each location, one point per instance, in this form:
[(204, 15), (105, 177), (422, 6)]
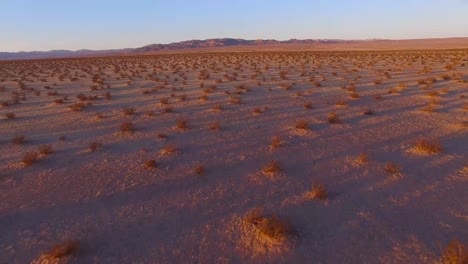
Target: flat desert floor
[(235, 157)]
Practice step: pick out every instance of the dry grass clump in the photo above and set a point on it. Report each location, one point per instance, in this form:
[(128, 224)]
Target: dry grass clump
[(391, 167), (455, 253), (428, 108), (270, 228), (181, 123), (150, 164), (64, 249), (354, 95), (162, 136), (333, 118), (95, 145), (318, 192), (433, 94), (168, 150), (29, 158), (426, 147), (128, 111), (301, 124), (276, 143), (10, 115), (368, 112), (18, 140), (273, 168), (257, 111), (361, 159), (199, 169), (214, 125), (127, 127), (216, 108), (308, 106), (77, 107), (46, 149), (340, 103)]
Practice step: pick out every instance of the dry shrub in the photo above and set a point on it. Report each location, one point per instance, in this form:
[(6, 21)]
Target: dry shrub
[(270, 228), (18, 140), (29, 158), (127, 127), (95, 145), (181, 123), (216, 108), (333, 118), (128, 111), (354, 95), (361, 159), (214, 126), (10, 115), (340, 103), (168, 150), (257, 111), (199, 169), (368, 112), (455, 253), (426, 147), (162, 136), (273, 168), (46, 149), (150, 164), (276, 143), (64, 249), (301, 124), (391, 167), (308, 106), (318, 192), (77, 107)]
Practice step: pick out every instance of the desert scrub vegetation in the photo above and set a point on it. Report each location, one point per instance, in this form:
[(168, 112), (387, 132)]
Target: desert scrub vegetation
[(269, 228), (199, 170), (318, 192), (455, 253), (426, 147), (150, 164), (29, 158), (302, 125), (127, 127), (276, 143), (333, 118), (10, 115), (361, 159), (59, 251), (128, 111), (181, 124), (95, 145), (215, 125), (167, 150), (392, 168), (272, 168), (18, 140), (45, 149)]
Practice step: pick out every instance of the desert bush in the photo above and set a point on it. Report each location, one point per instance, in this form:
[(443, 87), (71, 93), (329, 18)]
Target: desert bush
[(455, 253), (333, 118), (257, 111), (368, 112), (29, 158), (128, 111), (150, 164), (301, 124), (95, 145), (168, 150), (127, 127), (214, 125), (199, 169), (18, 140), (181, 123), (46, 149), (308, 106), (276, 143), (318, 192), (271, 227), (58, 251), (391, 167), (10, 115), (424, 146), (272, 168), (77, 107)]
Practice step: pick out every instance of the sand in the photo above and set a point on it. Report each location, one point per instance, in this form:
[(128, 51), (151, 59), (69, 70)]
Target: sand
[(191, 208)]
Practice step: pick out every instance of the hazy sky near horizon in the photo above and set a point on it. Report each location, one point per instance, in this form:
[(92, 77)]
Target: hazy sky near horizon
[(27, 25)]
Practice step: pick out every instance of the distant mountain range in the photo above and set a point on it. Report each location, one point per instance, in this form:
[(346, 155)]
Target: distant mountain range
[(201, 44)]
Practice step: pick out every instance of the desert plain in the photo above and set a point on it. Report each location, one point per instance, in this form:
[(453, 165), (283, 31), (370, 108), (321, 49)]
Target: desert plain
[(357, 156)]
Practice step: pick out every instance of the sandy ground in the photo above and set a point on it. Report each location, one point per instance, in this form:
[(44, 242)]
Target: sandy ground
[(192, 208)]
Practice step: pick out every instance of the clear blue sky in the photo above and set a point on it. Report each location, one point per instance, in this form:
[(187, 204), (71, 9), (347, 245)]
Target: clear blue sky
[(106, 24)]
